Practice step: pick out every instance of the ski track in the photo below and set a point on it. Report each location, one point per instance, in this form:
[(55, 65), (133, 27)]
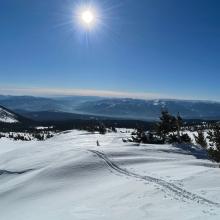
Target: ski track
[(180, 192), (2, 172)]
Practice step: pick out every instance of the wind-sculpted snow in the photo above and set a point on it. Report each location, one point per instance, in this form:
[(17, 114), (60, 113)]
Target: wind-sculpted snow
[(180, 192), (68, 177)]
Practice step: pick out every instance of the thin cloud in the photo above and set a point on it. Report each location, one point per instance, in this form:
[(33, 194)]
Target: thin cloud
[(46, 92)]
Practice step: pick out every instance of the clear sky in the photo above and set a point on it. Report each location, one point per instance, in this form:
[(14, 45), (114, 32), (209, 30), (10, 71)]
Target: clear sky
[(168, 48)]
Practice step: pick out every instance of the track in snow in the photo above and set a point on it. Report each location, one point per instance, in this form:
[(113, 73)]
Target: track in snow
[(180, 192), (2, 172)]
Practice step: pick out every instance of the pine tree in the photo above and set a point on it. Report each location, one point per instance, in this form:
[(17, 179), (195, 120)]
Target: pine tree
[(214, 138), (167, 124), (169, 128), (179, 122), (185, 138), (102, 129), (200, 139), (145, 137), (138, 136)]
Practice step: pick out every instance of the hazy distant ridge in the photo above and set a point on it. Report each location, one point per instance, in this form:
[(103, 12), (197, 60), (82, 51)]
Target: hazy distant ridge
[(125, 108)]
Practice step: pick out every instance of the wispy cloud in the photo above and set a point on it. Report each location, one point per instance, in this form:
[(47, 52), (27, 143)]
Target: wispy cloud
[(77, 92), (46, 92)]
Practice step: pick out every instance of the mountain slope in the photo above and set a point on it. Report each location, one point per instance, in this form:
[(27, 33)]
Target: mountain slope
[(7, 117)]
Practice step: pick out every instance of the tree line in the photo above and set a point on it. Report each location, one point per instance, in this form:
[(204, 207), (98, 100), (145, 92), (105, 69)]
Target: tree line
[(172, 130)]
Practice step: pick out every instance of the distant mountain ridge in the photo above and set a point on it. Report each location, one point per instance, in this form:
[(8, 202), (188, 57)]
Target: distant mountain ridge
[(34, 104), (114, 107), (151, 109)]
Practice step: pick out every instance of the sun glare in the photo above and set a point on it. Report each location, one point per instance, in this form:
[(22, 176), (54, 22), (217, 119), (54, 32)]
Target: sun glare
[(87, 17), (90, 19)]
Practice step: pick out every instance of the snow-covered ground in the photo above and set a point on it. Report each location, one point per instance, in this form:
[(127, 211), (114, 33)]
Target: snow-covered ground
[(6, 116), (68, 177)]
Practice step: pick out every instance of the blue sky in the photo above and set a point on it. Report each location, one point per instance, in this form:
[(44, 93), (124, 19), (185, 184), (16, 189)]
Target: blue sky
[(159, 48)]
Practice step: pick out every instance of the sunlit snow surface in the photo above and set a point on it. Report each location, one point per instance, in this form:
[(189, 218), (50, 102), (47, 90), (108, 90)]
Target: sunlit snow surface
[(69, 178), (7, 117)]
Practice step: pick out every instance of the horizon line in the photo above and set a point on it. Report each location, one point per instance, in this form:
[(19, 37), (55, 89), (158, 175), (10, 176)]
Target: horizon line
[(59, 92)]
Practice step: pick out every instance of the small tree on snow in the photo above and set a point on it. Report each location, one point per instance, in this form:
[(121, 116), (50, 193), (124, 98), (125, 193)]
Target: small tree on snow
[(214, 138), (167, 124), (102, 129), (139, 136), (200, 139), (169, 128), (179, 124)]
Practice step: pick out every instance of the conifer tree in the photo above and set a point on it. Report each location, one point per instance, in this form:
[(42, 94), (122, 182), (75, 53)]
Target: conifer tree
[(179, 122), (138, 136), (102, 129), (166, 125), (214, 138), (200, 139)]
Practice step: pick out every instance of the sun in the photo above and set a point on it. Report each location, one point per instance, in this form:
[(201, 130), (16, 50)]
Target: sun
[(88, 17)]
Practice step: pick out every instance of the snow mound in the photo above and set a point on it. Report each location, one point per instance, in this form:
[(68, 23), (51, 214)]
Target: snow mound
[(68, 177)]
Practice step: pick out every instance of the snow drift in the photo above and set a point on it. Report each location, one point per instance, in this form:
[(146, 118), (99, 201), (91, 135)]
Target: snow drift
[(69, 177)]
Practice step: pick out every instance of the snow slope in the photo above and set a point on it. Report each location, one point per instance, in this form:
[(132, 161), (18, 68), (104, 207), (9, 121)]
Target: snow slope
[(68, 177), (6, 116)]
